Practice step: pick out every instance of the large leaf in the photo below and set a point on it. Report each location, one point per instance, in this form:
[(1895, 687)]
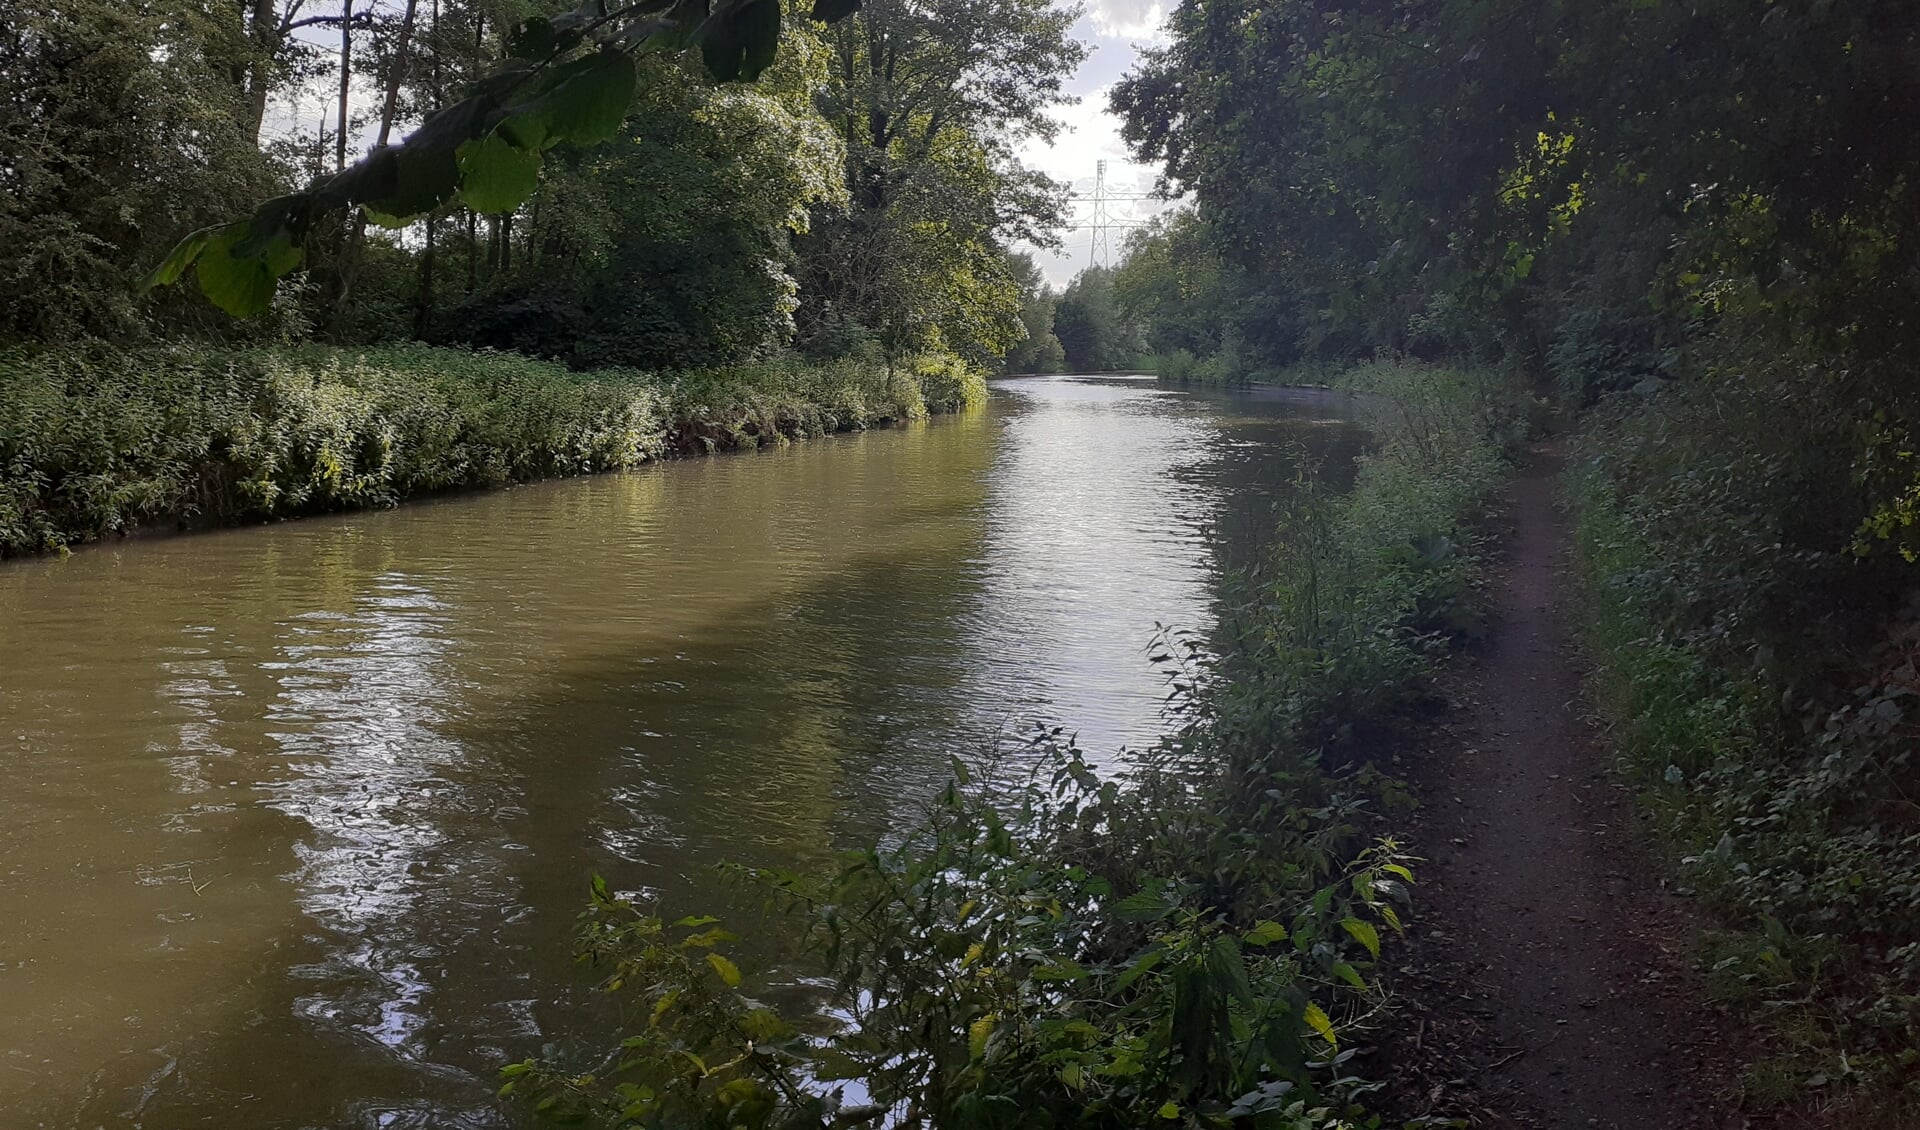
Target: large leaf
[(1317, 1019), (496, 176), (740, 40), (584, 104), (238, 275), (1364, 933), (180, 258)]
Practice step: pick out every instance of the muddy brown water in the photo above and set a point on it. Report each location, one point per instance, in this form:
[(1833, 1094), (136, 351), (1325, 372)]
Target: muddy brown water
[(297, 818)]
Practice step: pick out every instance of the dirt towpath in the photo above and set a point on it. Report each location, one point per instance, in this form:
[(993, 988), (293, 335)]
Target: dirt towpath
[(1547, 980)]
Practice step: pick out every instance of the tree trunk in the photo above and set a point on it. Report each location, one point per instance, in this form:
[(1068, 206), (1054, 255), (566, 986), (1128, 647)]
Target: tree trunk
[(423, 309), (356, 243), (346, 83)]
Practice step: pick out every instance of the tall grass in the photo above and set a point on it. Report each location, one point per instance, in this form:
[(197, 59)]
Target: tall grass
[(96, 441)]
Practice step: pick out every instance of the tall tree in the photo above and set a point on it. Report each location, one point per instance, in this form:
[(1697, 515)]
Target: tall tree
[(120, 130), (932, 98)]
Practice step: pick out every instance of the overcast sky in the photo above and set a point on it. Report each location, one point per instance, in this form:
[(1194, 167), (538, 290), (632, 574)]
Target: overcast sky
[(1115, 29)]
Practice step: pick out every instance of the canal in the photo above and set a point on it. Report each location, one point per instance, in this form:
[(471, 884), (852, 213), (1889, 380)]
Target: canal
[(298, 818)]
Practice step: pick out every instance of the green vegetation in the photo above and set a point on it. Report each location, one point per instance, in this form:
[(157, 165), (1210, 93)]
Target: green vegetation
[(1694, 224), (740, 223), (96, 442), (1193, 943)]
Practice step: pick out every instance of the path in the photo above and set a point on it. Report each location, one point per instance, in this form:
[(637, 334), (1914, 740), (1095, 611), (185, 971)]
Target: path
[(1547, 979)]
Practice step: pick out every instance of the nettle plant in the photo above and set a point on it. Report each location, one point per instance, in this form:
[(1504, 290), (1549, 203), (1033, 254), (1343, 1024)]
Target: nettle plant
[(568, 80)]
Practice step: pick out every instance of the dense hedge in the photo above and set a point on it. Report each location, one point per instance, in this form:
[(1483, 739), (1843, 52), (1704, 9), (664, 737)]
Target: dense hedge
[(97, 441)]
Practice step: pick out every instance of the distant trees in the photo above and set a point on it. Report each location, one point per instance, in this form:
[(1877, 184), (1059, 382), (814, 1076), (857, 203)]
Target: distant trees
[(1040, 352), (594, 184), (1096, 334)]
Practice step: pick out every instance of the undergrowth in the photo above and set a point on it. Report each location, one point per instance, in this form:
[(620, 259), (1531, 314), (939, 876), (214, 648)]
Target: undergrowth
[(96, 441), (1191, 942), (1758, 667)]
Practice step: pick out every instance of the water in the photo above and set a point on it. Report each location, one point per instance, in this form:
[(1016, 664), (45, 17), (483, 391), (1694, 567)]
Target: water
[(297, 818)]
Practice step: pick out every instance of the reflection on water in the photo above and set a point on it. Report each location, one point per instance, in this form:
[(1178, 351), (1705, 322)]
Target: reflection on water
[(299, 817)]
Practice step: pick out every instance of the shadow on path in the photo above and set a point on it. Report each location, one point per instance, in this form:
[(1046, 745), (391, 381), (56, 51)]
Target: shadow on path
[(1547, 981)]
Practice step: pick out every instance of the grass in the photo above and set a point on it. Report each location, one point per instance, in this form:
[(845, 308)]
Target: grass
[(96, 442)]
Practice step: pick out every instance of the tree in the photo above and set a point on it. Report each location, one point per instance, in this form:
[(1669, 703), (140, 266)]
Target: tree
[(672, 244), (932, 97), (1040, 352), (567, 81), (1087, 319), (119, 131)]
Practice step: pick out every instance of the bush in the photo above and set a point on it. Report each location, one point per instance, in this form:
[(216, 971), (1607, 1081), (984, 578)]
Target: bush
[(1760, 676), (97, 441)]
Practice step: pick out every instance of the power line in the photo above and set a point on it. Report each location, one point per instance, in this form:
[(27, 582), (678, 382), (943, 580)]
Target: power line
[(1097, 249)]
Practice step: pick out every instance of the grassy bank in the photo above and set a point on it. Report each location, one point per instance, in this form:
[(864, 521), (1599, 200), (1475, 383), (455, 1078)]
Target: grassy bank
[(1192, 944), (96, 441), (1758, 667)]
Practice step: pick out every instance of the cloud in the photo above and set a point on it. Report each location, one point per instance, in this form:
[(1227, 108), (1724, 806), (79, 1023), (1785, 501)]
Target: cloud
[(1129, 19), (1090, 134)]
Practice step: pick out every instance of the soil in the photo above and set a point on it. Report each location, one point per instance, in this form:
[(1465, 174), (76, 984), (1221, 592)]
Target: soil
[(1549, 980)]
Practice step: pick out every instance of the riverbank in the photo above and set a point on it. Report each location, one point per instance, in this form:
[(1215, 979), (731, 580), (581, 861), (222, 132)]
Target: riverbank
[(1194, 942), (97, 442)]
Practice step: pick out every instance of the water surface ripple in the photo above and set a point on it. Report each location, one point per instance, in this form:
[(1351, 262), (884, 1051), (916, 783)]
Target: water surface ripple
[(298, 817)]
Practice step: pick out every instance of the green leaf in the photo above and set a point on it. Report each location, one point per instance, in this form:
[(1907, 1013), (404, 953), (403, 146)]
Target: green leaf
[(1364, 933), (977, 1034), (728, 971), (1350, 975), (1265, 934), (425, 175), (1141, 906), (496, 176), (1170, 1110), (1316, 1018), (1396, 869), (180, 258), (586, 106), (1141, 965), (242, 284), (741, 39)]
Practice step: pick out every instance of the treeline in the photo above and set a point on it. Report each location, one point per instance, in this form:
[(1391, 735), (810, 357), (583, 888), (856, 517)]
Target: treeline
[(1695, 221), (856, 199)]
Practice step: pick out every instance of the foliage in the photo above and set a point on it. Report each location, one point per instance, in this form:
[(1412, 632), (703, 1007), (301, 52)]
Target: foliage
[(1094, 332), (1191, 942), (1041, 351), (670, 245), (567, 80), (1761, 675), (121, 133), (933, 98), (97, 441)]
